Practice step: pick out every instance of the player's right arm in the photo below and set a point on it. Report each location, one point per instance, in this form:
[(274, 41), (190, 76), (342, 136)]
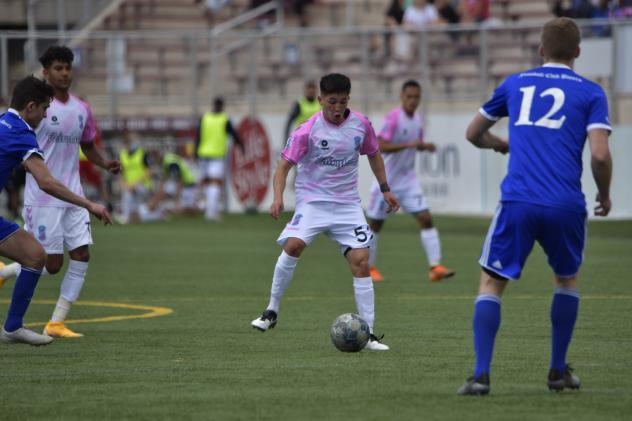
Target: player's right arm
[(479, 135), (280, 177), (36, 166), (601, 165)]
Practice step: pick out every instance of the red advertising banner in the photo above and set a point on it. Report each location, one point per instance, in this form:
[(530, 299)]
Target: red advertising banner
[(250, 168)]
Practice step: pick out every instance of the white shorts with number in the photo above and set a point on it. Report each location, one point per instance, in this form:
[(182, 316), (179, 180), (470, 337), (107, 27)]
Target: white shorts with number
[(344, 223), (56, 227), (212, 168), (411, 201)]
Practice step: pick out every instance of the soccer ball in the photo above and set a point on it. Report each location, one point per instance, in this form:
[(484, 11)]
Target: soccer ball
[(349, 332)]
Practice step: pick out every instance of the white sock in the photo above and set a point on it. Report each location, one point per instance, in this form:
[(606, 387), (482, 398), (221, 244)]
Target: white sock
[(365, 299), (70, 288), (432, 245), (283, 272), (373, 250), (127, 203), (213, 194), (61, 310)]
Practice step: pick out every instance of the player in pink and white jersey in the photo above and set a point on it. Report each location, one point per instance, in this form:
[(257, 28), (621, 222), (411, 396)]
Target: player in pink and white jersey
[(68, 126), (326, 149), (400, 138)]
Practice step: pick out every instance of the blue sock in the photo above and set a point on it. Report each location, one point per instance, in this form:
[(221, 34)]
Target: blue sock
[(563, 315), (485, 324), (22, 293)]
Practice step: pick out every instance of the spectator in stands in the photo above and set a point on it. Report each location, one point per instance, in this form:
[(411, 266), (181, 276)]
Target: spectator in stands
[(601, 11), (474, 11), (3, 106), (393, 18), (420, 14), (212, 8), (447, 13), (265, 19), (622, 9), (298, 9)]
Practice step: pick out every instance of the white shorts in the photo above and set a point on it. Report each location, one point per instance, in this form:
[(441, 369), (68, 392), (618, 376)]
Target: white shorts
[(411, 201), (188, 195), (344, 223), (55, 227), (212, 168)]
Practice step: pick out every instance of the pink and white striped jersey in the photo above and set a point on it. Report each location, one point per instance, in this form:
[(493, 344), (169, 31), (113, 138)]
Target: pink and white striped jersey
[(59, 136), (399, 127), (327, 156)]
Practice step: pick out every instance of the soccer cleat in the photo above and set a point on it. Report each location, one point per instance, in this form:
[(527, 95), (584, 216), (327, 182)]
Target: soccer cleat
[(376, 275), (440, 272), (560, 380), (59, 330), (374, 344), (7, 271), (478, 386), (24, 336), (267, 321)]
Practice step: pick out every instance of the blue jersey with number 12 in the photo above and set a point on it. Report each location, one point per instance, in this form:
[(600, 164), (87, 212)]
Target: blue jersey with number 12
[(550, 109)]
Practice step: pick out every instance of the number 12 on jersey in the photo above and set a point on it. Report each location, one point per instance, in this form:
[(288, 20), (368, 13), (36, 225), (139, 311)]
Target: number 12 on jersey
[(528, 94)]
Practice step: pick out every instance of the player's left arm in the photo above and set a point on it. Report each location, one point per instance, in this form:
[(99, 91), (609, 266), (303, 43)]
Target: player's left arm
[(479, 135), (601, 165), (377, 166), (92, 153), (231, 130)]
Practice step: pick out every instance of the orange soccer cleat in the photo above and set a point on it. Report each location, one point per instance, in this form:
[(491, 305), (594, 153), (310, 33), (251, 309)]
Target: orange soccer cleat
[(376, 275), (439, 272), (59, 330)]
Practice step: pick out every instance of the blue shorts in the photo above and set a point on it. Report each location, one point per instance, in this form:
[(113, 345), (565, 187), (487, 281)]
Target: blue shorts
[(515, 228), (7, 229)]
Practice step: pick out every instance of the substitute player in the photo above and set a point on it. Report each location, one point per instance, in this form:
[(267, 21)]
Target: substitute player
[(551, 111), (326, 150), (56, 224), (18, 145), (400, 138)]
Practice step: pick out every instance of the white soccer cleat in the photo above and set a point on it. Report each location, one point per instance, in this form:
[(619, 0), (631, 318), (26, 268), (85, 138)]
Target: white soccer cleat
[(267, 321), (374, 344), (24, 336), (8, 271)]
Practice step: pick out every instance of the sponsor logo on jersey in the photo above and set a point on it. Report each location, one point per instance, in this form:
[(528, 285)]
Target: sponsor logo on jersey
[(54, 120), (324, 145), (358, 141), (80, 121), (338, 163)]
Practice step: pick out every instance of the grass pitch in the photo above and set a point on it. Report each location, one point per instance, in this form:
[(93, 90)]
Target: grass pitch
[(204, 361)]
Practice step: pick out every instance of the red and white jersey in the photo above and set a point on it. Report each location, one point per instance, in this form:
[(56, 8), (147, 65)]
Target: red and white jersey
[(59, 136), (400, 127), (327, 156)]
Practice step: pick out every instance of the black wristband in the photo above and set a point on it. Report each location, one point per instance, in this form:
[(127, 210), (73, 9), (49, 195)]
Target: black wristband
[(384, 187)]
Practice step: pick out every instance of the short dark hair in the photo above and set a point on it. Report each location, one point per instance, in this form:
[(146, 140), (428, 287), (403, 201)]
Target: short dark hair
[(56, 53), (30, 89), (411, 84), (335, 83), (560, 39), (218, 103)]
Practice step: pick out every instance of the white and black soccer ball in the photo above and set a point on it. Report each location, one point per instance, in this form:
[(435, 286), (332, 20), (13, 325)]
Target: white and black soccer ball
[(350, 332)]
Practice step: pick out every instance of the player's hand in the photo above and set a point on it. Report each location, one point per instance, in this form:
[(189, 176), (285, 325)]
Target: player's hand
[(502, 147), (391, 200), (101, 212), (113, 166), (604, 206), (276, 208)]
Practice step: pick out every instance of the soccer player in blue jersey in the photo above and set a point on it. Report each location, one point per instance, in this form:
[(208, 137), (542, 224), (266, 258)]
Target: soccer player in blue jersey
[(551, 110), (18, 145)]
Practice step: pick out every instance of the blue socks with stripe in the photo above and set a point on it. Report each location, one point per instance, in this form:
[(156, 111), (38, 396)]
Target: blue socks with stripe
[(485, 324), (22, 293), (563, 315)]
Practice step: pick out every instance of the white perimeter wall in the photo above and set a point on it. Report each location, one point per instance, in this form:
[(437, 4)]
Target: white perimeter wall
[(460, 179)]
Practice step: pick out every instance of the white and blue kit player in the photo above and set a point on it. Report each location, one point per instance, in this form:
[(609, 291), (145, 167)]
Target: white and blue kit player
[(18, 146), (551, 111)]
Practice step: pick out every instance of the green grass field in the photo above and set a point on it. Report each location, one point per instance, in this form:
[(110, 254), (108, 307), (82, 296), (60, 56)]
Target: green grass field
[(204, 361)]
